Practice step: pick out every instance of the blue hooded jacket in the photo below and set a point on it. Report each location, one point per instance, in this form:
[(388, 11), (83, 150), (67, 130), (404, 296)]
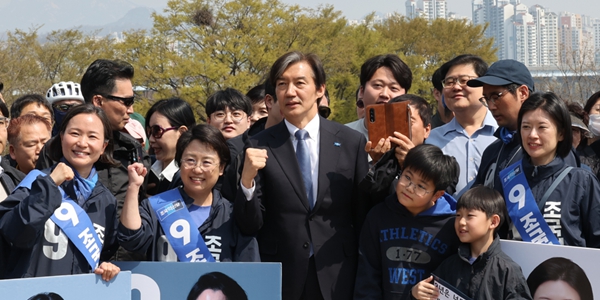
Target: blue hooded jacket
[(397, 249)]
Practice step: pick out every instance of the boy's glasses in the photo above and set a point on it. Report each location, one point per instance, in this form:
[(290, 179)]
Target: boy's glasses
[(419, 189), (4, 121), (157, 132)]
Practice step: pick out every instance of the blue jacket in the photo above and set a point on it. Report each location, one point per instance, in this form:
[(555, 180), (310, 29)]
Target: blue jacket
[(397, 249), (37, 247), (219, 231)]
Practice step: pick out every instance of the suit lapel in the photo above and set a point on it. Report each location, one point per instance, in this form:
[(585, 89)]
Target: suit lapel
[(329, 152), (283, 151)]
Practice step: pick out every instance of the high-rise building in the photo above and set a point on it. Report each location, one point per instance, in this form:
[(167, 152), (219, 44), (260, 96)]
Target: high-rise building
[(427, 9)]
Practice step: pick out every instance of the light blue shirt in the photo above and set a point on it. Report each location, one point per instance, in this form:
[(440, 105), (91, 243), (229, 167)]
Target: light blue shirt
[(454, 140)]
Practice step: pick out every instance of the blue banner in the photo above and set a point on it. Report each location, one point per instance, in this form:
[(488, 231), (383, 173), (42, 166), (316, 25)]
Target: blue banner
[(522, 207), (68, 287), (179, 227), (175, 280)]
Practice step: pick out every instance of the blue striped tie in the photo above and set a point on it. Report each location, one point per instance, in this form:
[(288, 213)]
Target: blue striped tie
[(303, 156)]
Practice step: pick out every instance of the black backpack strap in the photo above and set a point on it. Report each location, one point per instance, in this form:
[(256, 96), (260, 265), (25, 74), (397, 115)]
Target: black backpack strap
[(553, 187)]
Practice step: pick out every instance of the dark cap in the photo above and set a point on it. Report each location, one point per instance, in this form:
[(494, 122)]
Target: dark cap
[(504, 72)]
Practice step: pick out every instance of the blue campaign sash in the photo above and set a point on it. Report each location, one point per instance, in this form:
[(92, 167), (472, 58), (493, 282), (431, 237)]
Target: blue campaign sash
[(522, 207), (176, 221), (74, 222)]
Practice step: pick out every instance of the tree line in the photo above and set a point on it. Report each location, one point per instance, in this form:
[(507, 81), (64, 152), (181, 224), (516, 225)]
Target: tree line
[(197, 47)]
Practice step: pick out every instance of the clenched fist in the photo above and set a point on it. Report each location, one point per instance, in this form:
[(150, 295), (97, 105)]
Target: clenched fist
[(62, 173), (256, 159)]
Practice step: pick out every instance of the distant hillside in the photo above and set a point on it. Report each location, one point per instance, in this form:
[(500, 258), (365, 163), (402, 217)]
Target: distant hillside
[(62, 14)]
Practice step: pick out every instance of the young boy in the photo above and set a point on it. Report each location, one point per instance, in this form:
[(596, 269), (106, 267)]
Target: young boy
[(408, 235), (480, 269)]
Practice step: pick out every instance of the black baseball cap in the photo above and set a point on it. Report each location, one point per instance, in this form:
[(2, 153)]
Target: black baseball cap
[(504, 72)]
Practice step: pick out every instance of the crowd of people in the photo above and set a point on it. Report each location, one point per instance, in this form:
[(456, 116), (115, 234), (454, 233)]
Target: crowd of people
[(86, 181)]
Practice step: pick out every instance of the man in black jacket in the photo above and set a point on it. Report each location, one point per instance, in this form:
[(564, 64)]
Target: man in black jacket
[(107, 84)]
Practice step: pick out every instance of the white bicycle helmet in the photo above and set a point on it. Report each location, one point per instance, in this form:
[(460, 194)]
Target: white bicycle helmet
[(64, 91)]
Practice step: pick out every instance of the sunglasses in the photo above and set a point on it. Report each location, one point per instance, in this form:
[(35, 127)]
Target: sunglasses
[(126, 101), (360, 104), (63, 107), (324, 111), (157, 132)]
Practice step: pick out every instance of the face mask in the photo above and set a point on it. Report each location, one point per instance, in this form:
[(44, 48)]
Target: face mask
[(594, 125)]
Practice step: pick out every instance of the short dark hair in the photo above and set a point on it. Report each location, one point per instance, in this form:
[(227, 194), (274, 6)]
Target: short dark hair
[(399, 68), (217, 281), (290, 58), (46, 296), (257, 93), (4, 110), (479, 65), (205, 134), (563, 269), (591, 101), (557, 110), (176, 110), (17, 107), (419, 103), (270, 90), (100, 76), (55, 144), (228, 98), (432, 164), (484, 199), (436, 80), (326, 95)]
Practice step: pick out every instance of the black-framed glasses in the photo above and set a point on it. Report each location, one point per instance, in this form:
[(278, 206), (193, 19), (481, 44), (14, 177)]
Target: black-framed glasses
[(127, 101), (462, 80), (494, 97), (63, 107), (157, 132), (324, 111)]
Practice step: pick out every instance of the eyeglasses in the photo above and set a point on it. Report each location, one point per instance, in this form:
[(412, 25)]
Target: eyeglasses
[(419, 189), (236, 116), (4, 121), (63, 107), (324, 111), (462, 80), (157, 132), (205, 166), (126, 101), (360, 104), (493, 97)]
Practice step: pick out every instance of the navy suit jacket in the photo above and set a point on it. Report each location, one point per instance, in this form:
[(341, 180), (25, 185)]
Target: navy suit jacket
[(280, 214)]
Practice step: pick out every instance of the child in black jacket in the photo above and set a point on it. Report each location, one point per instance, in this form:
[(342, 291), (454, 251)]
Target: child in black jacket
[(480, 269)]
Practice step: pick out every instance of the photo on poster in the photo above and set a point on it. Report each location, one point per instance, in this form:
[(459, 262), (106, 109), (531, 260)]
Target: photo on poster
[(552, 268), (68, 287)]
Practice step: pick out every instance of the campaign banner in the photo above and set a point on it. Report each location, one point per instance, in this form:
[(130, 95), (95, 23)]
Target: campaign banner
[(177, 280), (68, 287), (542, 264), (448, 291)]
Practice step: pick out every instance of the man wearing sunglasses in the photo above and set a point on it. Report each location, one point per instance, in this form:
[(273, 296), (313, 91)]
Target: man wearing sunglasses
[(107, 84)]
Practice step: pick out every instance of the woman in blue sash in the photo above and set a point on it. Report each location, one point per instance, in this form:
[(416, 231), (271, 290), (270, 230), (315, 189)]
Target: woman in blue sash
[(166, 120), (61, 220), (548, 201), (193, 222)]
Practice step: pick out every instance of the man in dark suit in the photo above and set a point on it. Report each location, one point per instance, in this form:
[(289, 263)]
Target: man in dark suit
[(315, 240)]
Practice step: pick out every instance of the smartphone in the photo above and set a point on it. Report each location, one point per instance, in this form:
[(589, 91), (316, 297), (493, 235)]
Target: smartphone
[(384, 119)]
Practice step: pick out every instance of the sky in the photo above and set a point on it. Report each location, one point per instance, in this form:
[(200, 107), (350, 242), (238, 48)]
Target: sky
[(357, 9)]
